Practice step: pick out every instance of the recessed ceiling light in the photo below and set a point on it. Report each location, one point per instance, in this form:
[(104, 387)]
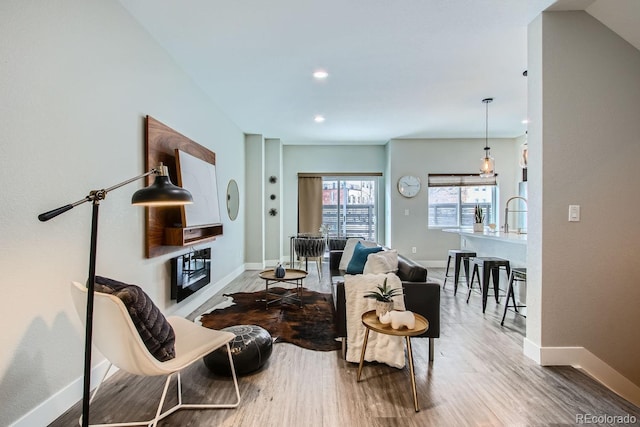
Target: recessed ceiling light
[(320, 74), (318, 118), (525, 121)]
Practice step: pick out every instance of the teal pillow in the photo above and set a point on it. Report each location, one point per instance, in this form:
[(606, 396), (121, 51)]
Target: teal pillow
[(359, 258)]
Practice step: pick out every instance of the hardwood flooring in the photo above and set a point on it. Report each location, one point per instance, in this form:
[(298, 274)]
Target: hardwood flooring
[(479, 378)]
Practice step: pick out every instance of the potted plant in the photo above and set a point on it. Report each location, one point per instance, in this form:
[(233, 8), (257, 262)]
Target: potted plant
[(384, 297), (478, 225)]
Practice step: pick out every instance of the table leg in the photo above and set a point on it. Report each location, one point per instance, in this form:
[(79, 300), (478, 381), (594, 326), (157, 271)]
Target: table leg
[(413, 376), (364, 348), (266, 294)]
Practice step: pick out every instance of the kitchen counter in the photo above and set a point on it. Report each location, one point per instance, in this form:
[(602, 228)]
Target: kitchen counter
[(487, 234), (511, 246)]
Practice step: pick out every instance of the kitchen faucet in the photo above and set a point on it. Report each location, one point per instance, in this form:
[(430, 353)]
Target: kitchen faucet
[(506, 211)]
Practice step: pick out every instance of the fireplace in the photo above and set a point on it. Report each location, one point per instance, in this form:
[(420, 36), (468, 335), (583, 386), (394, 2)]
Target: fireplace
[(189, 273)]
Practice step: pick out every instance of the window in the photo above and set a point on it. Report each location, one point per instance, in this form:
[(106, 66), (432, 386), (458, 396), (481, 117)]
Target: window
[(452, 200), (349, 206)]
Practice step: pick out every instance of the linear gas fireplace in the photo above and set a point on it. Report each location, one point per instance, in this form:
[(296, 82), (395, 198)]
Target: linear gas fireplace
[(189, 273)]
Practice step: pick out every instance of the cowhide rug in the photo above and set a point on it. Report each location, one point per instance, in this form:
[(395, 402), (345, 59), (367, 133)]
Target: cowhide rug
[(310, 327)]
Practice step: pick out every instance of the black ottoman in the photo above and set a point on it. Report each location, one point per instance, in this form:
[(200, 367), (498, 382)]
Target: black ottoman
[(250, 350)]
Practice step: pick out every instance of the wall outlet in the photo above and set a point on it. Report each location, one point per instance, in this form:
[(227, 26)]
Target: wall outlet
[(414, 250), (406, 212)]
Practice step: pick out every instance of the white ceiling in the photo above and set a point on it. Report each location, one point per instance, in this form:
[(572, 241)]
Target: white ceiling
[(397, 69)]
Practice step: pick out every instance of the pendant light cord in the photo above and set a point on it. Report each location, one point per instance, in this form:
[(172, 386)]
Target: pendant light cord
[(486, 126)]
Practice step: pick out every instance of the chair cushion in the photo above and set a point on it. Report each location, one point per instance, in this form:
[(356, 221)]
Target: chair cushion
[(309, 247), (382, 262), (156, 333), (359, 258), (347, 252)]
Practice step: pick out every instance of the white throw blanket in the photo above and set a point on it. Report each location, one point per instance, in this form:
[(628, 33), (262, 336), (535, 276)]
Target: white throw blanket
[(383, 348)]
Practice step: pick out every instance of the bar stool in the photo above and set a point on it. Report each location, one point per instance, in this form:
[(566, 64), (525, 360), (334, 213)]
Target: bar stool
[(517, 275), (458, 255), (490, 267)]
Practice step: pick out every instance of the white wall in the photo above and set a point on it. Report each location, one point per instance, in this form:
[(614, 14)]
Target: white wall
[(77, 80), (254, 247), (325, 159), (273, 224), (421, 157), (401, 157), (584, 100)]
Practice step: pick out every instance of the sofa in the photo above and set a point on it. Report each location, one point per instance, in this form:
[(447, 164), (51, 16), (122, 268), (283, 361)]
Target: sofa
[(420, 295)]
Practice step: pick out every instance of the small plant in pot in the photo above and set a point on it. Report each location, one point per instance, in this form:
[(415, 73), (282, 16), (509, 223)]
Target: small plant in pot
[(479, 219), (384, 297)]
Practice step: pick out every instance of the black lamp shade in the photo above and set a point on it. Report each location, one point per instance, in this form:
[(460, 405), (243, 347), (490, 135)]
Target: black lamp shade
[(161, 193)]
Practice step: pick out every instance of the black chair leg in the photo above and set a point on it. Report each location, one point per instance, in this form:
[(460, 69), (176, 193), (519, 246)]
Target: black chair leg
[(465, 261), (509, 294), (446, 273), (473, 275), (456, 273)]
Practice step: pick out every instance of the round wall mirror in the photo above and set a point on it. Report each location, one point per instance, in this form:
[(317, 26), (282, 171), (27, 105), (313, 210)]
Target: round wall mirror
[(233, 200)]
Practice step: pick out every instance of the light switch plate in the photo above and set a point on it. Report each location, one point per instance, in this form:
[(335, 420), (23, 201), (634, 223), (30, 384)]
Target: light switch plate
[(574, 213)]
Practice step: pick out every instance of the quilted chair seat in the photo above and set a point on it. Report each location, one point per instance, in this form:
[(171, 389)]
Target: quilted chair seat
[(310, 248)]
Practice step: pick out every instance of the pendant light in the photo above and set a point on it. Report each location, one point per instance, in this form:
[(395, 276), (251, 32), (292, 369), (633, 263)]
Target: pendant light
[(487, 167)]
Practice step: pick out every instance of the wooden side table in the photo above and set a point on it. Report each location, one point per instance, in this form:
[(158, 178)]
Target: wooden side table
[(292, 276), (371, 323)]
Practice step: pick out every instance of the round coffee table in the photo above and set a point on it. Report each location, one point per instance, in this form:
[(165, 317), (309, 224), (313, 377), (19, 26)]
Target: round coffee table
[(291, 276), (371, 323)]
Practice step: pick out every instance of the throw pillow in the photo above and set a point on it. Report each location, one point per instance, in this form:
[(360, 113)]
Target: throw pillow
[(156, 333), (359, 258), (381, 262), (347, 252)]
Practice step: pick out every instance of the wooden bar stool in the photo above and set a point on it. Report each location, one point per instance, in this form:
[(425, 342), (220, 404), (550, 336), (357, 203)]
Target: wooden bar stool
[(517, 275), (490, 268), (459, 255)]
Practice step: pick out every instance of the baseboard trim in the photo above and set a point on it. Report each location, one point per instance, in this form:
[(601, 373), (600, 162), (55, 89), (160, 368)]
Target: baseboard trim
[(47, 412), (59, 403), (254, 266), (583, 359)]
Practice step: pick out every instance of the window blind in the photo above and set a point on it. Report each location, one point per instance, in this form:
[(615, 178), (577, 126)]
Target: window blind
[(459, 180)]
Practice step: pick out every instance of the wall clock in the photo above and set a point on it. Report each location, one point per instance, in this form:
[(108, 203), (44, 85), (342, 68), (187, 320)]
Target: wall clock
[(409, 186)]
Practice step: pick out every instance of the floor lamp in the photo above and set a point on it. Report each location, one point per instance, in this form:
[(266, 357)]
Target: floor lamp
[(161, 193)]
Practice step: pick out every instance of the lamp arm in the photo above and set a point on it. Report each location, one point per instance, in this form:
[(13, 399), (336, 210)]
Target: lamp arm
[(123, 183), (95, 195)]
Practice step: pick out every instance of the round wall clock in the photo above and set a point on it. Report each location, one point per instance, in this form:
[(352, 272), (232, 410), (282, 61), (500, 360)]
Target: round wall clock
[(409, 186)]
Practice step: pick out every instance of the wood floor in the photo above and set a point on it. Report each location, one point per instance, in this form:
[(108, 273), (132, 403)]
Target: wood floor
[(479, 378)]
